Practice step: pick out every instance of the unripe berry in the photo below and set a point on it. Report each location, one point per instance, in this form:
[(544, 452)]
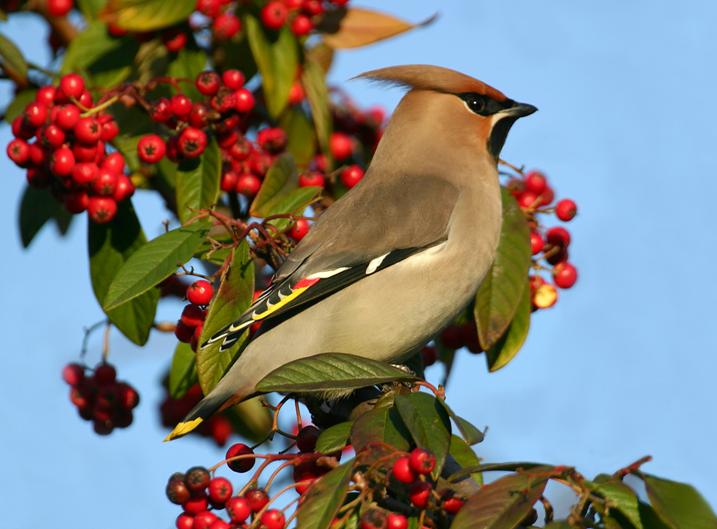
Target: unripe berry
[(422, 461), (102, 209), (301, 25), (177, 491), (535, 182), (396, 521), (273, 519), (311, 178), (402, 470), (566, 210), (243, 100), (72, 85), (274, 14), (340, 145), (248, 184), (88, 131), (306, 438), (151, 148), (545, 296), (200, 292), (73, 374), (233, 79), (225, 26), (419, 494), (565, 275), (257, 499), (238, 509), (240, 465), (299, 229), (197, 479), (351, 176)]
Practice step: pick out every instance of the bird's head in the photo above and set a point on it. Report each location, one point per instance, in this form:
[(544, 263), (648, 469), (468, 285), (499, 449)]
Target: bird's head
[(455, 102)]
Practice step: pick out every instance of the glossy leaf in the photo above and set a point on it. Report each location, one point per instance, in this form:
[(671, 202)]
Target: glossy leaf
[(428, 421), (465, 456), (510, 343), (355, 27), (323, 499), (334, 438), (233, 297), (37, 207), (618, 496), (501, 292), (197, 182), (110, 246), (183, 371), (313, 78), (380, 425), (302, 139), (470, 433), (154, 262), (277, 60), (147, 15), (18, 104), (12, 60), (679, 505), (502, 504), (330, 372)]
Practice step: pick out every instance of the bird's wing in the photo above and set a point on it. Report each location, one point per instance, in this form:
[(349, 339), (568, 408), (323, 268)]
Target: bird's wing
[(371, 228)]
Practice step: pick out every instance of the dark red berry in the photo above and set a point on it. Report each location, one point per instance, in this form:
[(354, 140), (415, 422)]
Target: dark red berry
[(273, 519), (102, 209), (351, 176), (452, 337), (396, 521), (183, 332), (274, 14), (566, 210), (233, 79), (238, 509), (257, 499), (306, 438), (73, 374), (240, 465), (88, 131), (419, 494), (373, 519), (452, 505), (429, 355), (76, 201), (311, 178), (105, 374), (565, 275), (558, 236), (177, 491), (422, 461), (197, 479), (193, 316), (402, 470), (151, 148), (299, 229)]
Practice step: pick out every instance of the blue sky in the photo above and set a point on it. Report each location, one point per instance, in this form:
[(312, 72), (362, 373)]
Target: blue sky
[(623, 366)]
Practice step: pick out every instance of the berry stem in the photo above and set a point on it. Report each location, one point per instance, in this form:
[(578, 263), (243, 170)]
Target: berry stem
[(88, 331), (106, 342), (99, 108)]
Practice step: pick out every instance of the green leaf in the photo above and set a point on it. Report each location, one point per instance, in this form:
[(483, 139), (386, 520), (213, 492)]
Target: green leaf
[(427, 420), (618, 496), (147, 15), (502, 504), (465, 456), (18, 104), (90, 8), (380, 425), (233, 297), (154, 262), (649, 517), (280, 194), (107, 60), (198, 182), (302, 139), (323, 499), (251, 419), (678, 504), (183, 372), (12, 60), (330, 372), (334, 438), (500, 293), (37, 206), (277, 61), (110, 247), (188, 63), (470, 433), (317, 93), (510, 343)]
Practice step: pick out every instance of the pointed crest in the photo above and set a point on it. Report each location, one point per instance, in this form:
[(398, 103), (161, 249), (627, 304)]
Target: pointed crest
[(427, 77)]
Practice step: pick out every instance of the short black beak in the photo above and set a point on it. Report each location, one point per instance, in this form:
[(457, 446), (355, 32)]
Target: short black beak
[(520, 110)]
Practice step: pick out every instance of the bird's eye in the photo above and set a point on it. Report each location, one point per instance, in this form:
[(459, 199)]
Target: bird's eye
[(476, 103)]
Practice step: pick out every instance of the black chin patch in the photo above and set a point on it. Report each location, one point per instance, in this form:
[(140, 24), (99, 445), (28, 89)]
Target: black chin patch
[(499, 134)]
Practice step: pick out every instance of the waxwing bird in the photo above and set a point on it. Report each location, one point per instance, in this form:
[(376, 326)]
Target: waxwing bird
[(401, 254)]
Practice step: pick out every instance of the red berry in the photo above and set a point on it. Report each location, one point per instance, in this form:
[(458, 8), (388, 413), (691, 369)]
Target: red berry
[(197, 479), (73, 374), (85, 153), (105, 183), (151, 148), (84, 173), (546, 197), (452, 337), (422, 461), (296, 93), (220, 490), (192, 142), (373, 519), (248, 184), (59, 8), (535, 182), (419, 494), (240, 465), (181, 105), (208, 83), (19, 152), (62, 162), (88, 131), (183, 332), (351, 176), (566, 210), (203, 520), (272, 139), (220, 524), (257, 499), (76, 201), (528, 200), (114, 162), (124, 188), (184, 521), (161, 111), (402, 470), (312, 178), (193, 316), (429, 355), (72, 85), (210, 8), (225, 26), (306, 438), (174, 39), (127, 396), (45, 95), (565, 275), (301, 25), (536, 242), (200, 292), (233, 79), (238, 509), (195, 505), (452, 505), (273, 519), (229, 181), (110, 129), (243, 100), (558, 236), (67, 117), (274, 14), (340, 145), (37, 155), (52, 136), (199, 115), (299, 229), (102, 209), (105, 374), (396, 521)]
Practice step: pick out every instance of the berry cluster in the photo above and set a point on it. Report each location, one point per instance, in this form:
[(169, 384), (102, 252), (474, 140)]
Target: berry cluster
[(189, 326), (68, 155), (217, 427), (101, 398), (549, 246)]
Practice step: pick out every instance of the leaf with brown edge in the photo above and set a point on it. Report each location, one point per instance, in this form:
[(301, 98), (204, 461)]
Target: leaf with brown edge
[(502, 504), (356, 26), (500, 293), (233, 297)]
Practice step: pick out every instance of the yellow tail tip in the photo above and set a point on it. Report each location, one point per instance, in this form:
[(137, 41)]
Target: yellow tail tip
[(183, 428)]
